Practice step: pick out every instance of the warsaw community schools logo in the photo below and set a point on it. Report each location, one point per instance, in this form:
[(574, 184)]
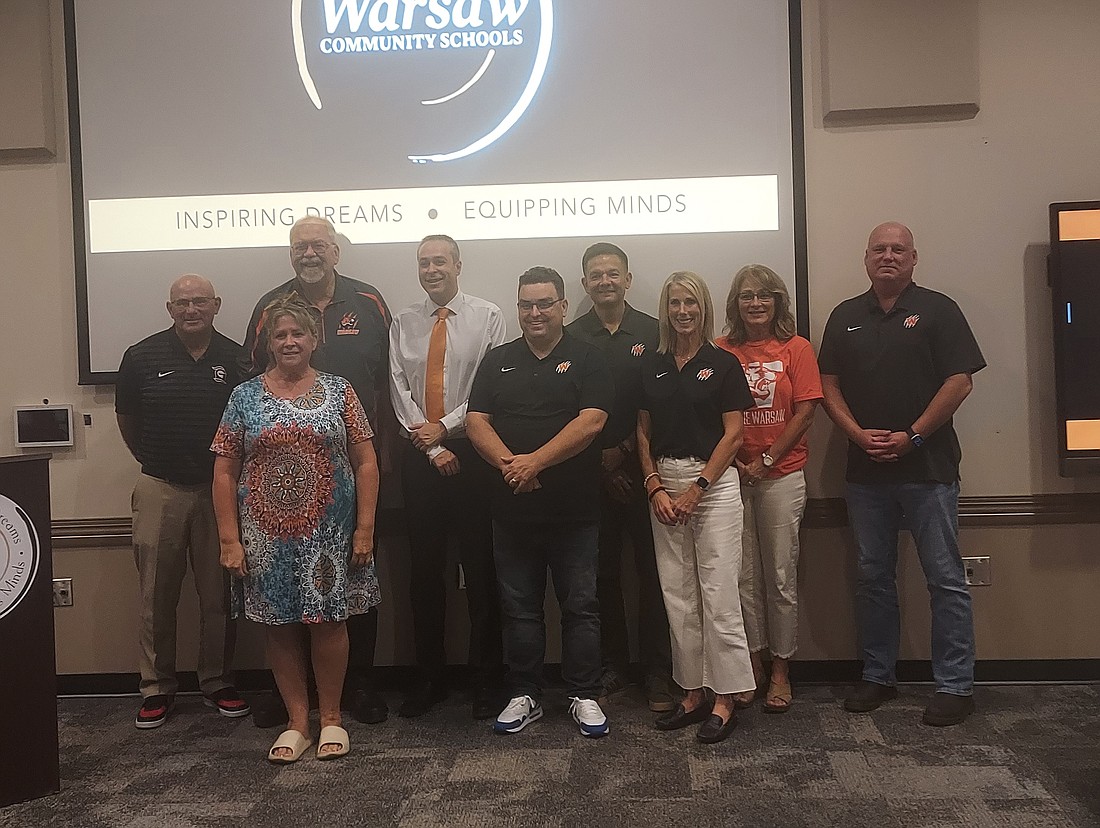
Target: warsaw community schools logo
[(18, 555), (479, 64)]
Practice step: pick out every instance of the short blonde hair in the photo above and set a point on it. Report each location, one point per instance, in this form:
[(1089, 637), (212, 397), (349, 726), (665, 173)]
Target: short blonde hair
[(292, 305), (783, 324), (697, 288)]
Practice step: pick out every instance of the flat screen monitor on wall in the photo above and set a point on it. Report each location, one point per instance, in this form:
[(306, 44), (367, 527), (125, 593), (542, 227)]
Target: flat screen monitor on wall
[(1075, 290), (526, 129)]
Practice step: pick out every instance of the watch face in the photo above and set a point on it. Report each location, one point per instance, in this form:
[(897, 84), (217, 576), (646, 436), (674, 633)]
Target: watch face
[(768, 460)]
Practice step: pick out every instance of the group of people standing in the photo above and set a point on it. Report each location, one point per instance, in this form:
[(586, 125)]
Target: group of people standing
[(541, 453)]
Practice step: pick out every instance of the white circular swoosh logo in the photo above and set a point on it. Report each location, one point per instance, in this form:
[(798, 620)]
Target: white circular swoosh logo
[(530, 89)]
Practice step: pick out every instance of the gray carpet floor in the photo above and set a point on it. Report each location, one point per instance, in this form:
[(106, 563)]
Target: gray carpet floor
[(1029, 758)]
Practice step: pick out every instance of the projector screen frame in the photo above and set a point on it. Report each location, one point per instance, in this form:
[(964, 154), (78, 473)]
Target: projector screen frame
[(88, 376)]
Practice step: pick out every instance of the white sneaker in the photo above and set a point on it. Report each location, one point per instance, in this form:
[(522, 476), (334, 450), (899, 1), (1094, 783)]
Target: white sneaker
[(587, 714), (520, 712)]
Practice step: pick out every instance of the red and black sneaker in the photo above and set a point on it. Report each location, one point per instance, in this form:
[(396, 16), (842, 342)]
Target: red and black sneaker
[(228, 702), (154, 710)]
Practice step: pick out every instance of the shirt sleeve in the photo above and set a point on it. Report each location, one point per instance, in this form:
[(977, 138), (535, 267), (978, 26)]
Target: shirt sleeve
[(404, 407), (229, 438), (828, 358), (128, 387), (735, 394), (253, 359), (483, 391), (954, 348), (805, 376), (355, 418), (597, 384)]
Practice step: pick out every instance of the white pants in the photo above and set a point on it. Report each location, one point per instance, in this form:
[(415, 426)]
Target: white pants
[(700, 564), (769, 562)]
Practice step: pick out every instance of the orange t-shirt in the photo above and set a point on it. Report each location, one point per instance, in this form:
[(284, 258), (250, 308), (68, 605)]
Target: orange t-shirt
[(779, 374)]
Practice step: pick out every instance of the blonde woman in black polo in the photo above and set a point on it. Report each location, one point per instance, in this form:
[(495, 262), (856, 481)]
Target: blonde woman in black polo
[(689, 430)]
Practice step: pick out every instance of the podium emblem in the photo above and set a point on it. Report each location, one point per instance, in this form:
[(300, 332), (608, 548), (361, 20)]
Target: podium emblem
[(19, 555)]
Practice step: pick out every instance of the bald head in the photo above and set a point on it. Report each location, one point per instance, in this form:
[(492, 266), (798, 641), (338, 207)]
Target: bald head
[(193, 304), (189, 282), (890, 258)]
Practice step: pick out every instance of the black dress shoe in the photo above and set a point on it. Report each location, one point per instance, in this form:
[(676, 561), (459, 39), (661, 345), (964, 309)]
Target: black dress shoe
[(421, 699), (715, 730), (678, 718), (369, 708), (270, 711), (486, 703), (869, 696)]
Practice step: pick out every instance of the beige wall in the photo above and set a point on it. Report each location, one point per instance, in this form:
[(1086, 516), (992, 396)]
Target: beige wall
[(975, 193)]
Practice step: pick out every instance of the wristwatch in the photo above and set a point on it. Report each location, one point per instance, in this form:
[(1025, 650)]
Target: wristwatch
[(702, 483), (914, 438), (768, 460)]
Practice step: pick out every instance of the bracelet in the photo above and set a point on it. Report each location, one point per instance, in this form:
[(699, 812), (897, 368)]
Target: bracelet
[(649, 477), (657, 489)]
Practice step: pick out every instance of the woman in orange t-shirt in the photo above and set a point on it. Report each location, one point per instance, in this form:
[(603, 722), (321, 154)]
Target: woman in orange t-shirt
[(782, 373)]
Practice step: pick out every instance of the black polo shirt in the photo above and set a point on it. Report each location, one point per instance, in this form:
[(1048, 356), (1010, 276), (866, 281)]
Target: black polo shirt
[(890, 366), (178, 402), (625, 351), (686, 406), (355, 342), (530, 401)]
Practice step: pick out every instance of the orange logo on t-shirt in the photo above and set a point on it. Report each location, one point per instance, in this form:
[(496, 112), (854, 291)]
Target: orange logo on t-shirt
[(563, 367)]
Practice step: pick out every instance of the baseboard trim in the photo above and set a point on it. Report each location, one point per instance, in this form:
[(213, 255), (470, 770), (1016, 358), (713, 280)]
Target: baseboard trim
[(1010, 671), (821, 513)]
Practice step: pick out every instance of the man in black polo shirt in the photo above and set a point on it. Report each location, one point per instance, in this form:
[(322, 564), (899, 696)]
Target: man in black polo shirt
[(171, 390), (625, 336), (535, 409), (353, 321), (896, 363)]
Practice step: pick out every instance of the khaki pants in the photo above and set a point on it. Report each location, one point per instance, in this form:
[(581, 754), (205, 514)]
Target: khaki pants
[(769, 562), (174, 523), (700, 565)]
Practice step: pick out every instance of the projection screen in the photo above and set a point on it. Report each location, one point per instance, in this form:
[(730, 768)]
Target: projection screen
[(526, 129)]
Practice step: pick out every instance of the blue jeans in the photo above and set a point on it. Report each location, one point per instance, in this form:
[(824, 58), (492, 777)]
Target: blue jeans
[(522, 554), (931, 513)]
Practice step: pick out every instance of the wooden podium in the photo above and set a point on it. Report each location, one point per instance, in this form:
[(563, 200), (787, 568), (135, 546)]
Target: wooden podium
[(28, 686)]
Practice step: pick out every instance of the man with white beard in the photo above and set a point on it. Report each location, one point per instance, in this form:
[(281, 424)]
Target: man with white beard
[(353, 320)]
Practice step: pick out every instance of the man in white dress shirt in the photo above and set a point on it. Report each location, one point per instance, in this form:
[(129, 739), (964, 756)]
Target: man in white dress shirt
[(435, 348)]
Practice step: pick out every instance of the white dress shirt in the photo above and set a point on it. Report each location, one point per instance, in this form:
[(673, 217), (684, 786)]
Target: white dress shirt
[(473, 327)]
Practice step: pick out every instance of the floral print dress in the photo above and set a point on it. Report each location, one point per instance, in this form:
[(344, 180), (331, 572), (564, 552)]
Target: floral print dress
[(296, 499)]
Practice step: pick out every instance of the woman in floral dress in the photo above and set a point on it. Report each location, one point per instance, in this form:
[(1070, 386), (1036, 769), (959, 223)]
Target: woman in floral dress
[(295, 488)]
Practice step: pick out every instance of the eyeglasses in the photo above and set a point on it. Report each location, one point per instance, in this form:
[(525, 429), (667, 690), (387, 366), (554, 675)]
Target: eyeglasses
[(543, 305), (759, 295), (319, 247), (199, 303)]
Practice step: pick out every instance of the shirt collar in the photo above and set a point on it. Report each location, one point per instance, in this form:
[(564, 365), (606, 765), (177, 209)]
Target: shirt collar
[(900, 302), (591, 323), (454, 306)]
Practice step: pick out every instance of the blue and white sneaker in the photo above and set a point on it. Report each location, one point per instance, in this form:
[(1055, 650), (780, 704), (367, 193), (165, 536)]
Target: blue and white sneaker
[(520, 712), (587, 714)]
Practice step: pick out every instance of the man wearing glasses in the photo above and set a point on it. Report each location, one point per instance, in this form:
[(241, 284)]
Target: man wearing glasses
[(171, 390), (353, 321), (536, 407)]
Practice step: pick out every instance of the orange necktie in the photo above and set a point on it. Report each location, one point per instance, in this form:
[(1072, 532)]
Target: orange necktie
[(433, 382)]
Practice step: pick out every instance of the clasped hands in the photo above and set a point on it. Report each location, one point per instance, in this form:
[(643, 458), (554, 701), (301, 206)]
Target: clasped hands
[(427, 436), (520, 472), (884, 446), (672, 512)]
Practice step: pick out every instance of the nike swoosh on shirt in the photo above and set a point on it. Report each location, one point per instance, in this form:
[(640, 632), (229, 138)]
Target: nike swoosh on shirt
[(164, 374), (856, 328), (661, 374), (506, 370)]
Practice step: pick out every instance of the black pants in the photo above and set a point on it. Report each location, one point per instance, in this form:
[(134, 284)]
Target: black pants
[(439, 508), (631, 518)]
